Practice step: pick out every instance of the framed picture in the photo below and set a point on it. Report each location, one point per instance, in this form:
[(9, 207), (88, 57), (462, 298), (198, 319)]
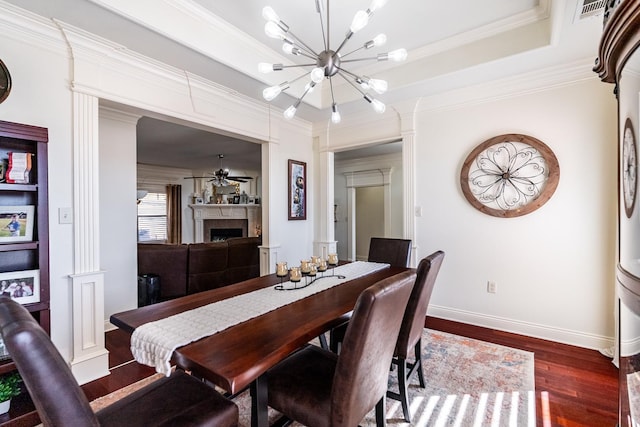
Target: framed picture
[(22, 286), (297, 190), (16, 223)]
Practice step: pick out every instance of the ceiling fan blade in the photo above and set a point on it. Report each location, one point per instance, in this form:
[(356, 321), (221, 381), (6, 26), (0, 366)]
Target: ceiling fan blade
[(239, 177), (231, 178), (196, 177)]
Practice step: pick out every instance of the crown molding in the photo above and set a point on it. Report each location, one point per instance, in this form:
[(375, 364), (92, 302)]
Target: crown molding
[(510, 87), (27, 27)]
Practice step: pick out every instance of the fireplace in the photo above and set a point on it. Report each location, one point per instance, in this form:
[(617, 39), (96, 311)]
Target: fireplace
[(222, 218), (216, 230), (222, 234)]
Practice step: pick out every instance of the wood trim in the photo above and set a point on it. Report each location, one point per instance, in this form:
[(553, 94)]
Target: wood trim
[(620, 38), (20, 131)]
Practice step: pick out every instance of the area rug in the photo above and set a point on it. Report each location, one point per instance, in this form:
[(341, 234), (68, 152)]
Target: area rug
[(469, 383)]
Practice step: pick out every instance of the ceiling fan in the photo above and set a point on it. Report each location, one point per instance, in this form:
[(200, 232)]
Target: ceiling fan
[(221, 177)]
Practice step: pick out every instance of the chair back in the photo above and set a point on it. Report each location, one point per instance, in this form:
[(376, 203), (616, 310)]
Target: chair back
[(55, 392), (391, 251), (362, 370), (416, 311)]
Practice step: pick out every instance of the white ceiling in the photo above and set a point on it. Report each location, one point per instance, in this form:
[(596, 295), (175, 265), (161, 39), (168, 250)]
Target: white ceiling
[(451, 44)]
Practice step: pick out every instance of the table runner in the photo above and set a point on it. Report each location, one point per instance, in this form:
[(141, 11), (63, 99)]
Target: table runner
[(153, 343)]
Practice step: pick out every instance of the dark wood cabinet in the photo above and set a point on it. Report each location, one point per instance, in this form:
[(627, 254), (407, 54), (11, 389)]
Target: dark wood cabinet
[(31, 255), (619, 63)]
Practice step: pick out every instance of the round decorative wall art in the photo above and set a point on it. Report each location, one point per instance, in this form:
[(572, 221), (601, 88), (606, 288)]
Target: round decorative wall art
[(5, 82), (510, 175), (629, 168)]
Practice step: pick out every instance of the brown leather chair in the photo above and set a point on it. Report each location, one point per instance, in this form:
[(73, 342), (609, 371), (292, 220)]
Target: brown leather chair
[(391, 251), (410, 336), (318, 388), (381, 249), (177, 400)]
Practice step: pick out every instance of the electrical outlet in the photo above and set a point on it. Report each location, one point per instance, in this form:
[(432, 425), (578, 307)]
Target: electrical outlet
[(492, 288)]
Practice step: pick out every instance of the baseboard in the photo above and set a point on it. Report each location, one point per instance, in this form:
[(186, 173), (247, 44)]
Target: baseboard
[(108, 326), (564, 336)]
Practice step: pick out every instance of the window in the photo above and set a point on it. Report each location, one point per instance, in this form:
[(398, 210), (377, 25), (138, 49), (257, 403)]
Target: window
[(152, 218)]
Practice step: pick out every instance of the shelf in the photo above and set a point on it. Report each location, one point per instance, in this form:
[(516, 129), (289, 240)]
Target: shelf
[(20, 246), (22, 412), (18, 187), (27, 255)]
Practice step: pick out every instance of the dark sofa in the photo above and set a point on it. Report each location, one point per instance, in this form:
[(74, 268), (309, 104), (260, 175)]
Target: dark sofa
[(196, 267)]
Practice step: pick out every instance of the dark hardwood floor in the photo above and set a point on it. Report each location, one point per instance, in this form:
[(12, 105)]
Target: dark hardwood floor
[(578, 386)]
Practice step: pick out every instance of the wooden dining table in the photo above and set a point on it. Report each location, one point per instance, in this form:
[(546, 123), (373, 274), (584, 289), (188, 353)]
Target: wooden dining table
[(237, 357)]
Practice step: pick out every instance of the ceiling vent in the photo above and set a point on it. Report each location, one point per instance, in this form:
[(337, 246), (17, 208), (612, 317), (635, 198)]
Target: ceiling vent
[(590, 8)]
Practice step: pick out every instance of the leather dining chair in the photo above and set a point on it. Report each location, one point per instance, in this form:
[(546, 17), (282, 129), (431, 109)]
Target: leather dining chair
[(410, 335), (391, 251), (319, 388), (395, 252), (176, 400)]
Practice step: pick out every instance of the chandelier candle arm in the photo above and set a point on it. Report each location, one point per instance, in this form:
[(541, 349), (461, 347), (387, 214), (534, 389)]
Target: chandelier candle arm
[(378, 85), (278, 29), (378, 40), (378, 106), (290, 112)]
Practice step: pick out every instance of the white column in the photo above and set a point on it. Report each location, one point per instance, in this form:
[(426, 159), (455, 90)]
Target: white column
[(90, 357), (325, 242), (410, 208), (407, 112), (269, 248)]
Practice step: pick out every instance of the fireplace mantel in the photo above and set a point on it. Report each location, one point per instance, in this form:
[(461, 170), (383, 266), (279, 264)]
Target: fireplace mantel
[(252, 213)]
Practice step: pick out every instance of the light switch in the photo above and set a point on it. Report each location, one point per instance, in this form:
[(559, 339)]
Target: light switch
[(65, 216), (418, 211)]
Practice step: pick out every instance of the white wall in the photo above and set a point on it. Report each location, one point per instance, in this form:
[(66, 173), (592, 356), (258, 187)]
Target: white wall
[(117, 209), (40, 96), (554, 268)]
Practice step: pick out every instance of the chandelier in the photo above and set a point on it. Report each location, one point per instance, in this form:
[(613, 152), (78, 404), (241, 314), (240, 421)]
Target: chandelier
[(329, 62)]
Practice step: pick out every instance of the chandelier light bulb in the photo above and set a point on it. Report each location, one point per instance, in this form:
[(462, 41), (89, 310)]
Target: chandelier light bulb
[(360, 20), (380, 39), (378, 85), (270, 93), (290, 112), (310, 86), (288, 48), (269, 14), (272, 30), (335, 114), (265, 67), (377, 4), (317, 74), (378, 106), (397, 55)]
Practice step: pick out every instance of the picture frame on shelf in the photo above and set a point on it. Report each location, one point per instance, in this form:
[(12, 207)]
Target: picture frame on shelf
[(16, 223), (22, 286), (297, 172)]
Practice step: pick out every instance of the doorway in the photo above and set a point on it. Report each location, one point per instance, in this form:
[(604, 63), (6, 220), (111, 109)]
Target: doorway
[(369, 218), (373, 178)]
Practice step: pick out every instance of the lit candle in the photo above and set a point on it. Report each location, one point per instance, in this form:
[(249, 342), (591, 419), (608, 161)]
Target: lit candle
[(322, 265), (295, 274), (305, 266), (281, 269), (333, 259)]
